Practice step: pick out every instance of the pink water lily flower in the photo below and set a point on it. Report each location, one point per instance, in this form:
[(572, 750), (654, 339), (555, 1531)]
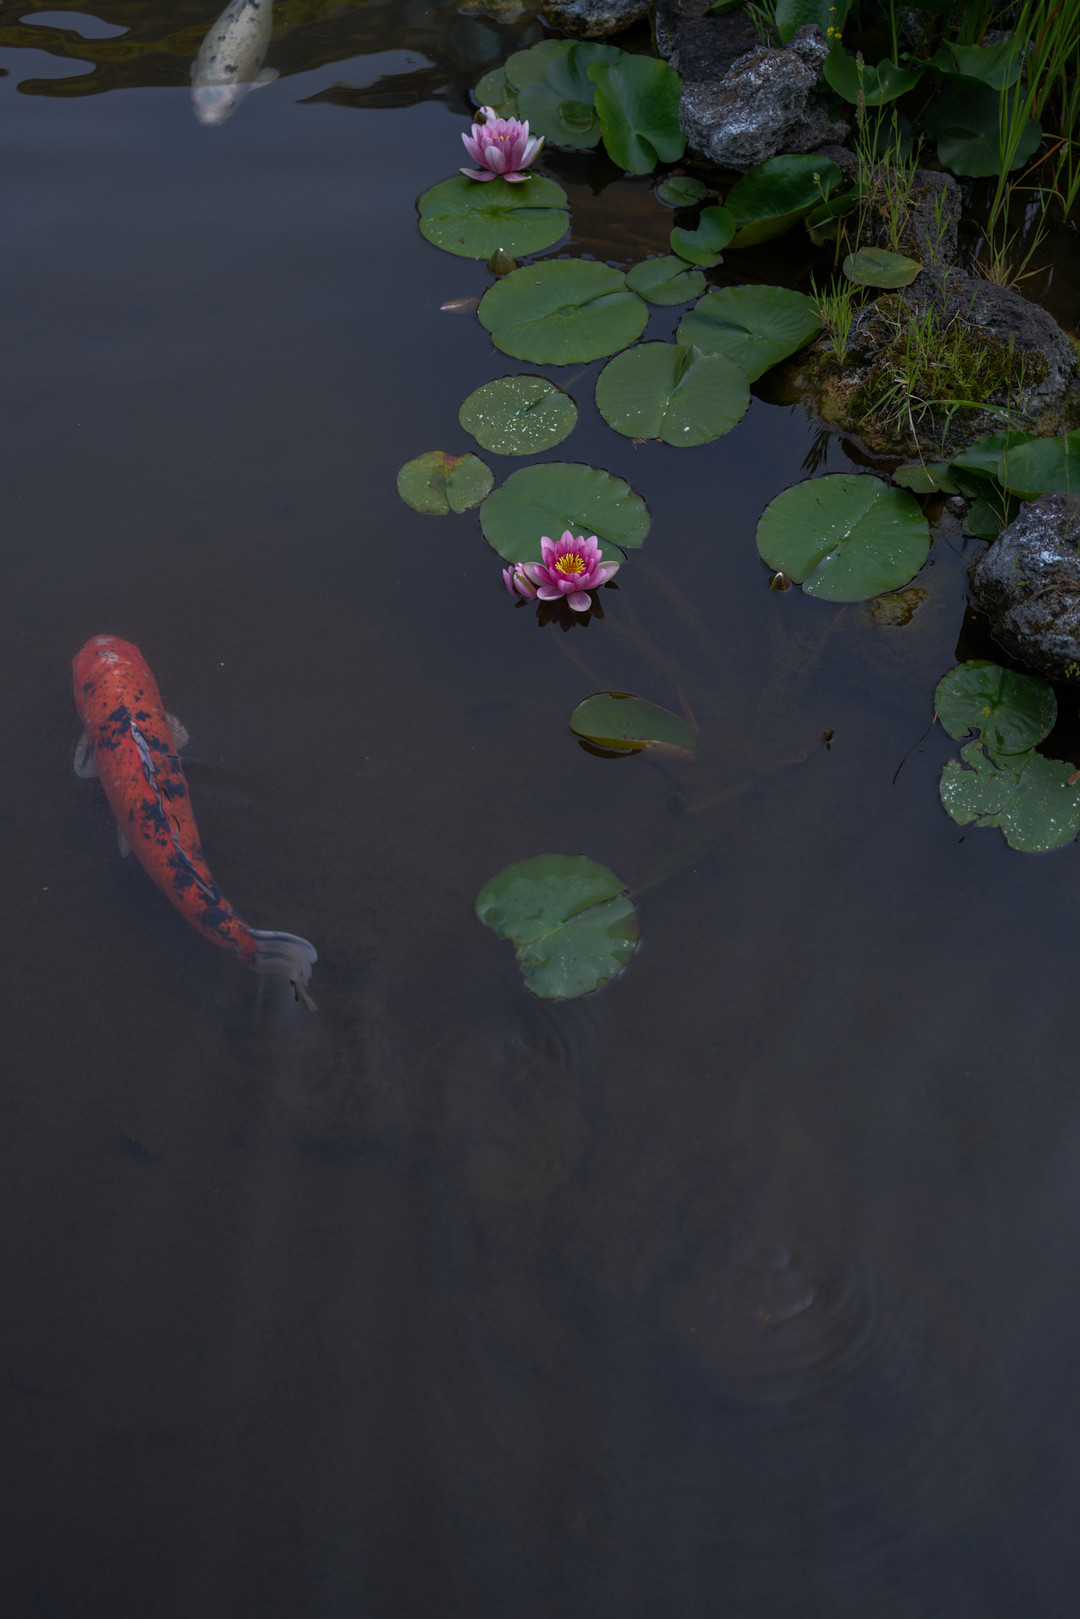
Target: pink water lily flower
[(518, 583), (569, 569), (501, 146)]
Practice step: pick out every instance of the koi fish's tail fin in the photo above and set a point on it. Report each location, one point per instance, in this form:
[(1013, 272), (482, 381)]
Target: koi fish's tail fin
[(286, 956)]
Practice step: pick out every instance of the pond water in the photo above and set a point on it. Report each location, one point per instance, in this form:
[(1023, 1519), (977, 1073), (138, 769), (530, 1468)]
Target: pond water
[(745, 1286)]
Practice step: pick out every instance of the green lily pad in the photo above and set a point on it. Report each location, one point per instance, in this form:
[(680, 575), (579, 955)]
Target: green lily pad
[(671, 392), (495, 91), (929, 478), (1010, 712), (560, 495), (1042, 466), (754, 326), (702, 246), (844, 538), (681, 190), (966, 124), (563, 311), (518, 415), (1027, 796), (560, 106), (570, 920), (637, 103), (438, 483), (984, 457), (666, 280), (627, 724), (531, 65), (474, 218), (770, 197), (823, 222), (995, 65), (874, 267), (876, 85), (824, 14)]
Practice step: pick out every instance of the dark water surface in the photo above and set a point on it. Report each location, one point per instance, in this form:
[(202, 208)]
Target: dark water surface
[(744, 1288)]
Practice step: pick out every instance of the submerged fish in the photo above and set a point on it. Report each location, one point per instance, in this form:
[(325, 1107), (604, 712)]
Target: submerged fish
[(229, 61), (131, 744)]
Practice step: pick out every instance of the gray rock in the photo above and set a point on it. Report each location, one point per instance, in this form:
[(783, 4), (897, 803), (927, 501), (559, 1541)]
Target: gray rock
[(1028, 583), (593, 19), (770, 101), (699, 46)]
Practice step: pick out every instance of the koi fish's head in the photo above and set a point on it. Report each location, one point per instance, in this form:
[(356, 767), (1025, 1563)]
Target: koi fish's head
[(101, 653), (213, 103)]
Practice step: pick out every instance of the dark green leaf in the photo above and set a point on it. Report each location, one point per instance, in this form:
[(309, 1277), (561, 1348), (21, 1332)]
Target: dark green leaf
[(666, 280), (560, 105), (563, 311), (530, 66), (571, 922), (874, 267), (474, 218), (666, 391), (618, 720), (879, 84), (1042, 466), (754, 326), (518, 415), (437, 483), (770, 197), (560, 495), (1010, 712), (926, 478), (681, 191), (843, 537), (966, 123), (495, 92), (702, 246), (995, 65), (637, 103)]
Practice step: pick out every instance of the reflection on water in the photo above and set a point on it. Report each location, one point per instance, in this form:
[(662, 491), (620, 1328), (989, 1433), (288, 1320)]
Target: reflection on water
[(744, 1287)]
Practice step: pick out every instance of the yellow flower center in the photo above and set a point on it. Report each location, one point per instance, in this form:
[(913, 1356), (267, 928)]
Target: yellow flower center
[(572, 562)]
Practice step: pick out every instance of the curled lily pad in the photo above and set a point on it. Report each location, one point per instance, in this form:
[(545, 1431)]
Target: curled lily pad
[(570, 920), (625, 723), (560, 495), (474, 218), (681, 190), (754, 326), (518, 415), (671, 392), (637, 103), (703, 246), (874, 267), (666, 280), (844, 538), (1027, 796), (563, 311), (770, 197), (438, 483)]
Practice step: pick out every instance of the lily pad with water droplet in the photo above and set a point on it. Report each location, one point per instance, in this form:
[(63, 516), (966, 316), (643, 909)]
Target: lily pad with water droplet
[(1010, 712), (518, 415), (560, 495), (1027, 796), (755, 326), (571, 921), (845, 538), (438, 483), (666, 280), (625, 723), (673, 393), (562, 312), (474, 218)]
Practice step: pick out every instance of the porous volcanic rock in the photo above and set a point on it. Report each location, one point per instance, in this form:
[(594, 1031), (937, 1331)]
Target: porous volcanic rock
[(1028, 583), (699, 46), (769, 101), (593, 19)]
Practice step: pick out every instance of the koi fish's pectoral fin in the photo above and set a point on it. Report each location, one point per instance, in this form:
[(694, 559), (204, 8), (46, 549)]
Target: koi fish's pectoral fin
[(85, 763), (178, 732), (266, 76), (286, 956), (121, 842)]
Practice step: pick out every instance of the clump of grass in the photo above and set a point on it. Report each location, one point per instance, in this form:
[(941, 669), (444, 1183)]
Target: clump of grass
[(935, 366), (835, 308)]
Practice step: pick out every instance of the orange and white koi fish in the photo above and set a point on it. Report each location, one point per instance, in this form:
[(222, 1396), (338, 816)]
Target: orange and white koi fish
[(133, 746)]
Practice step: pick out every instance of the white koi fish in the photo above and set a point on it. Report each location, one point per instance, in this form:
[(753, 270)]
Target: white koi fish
[(229, 64)]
